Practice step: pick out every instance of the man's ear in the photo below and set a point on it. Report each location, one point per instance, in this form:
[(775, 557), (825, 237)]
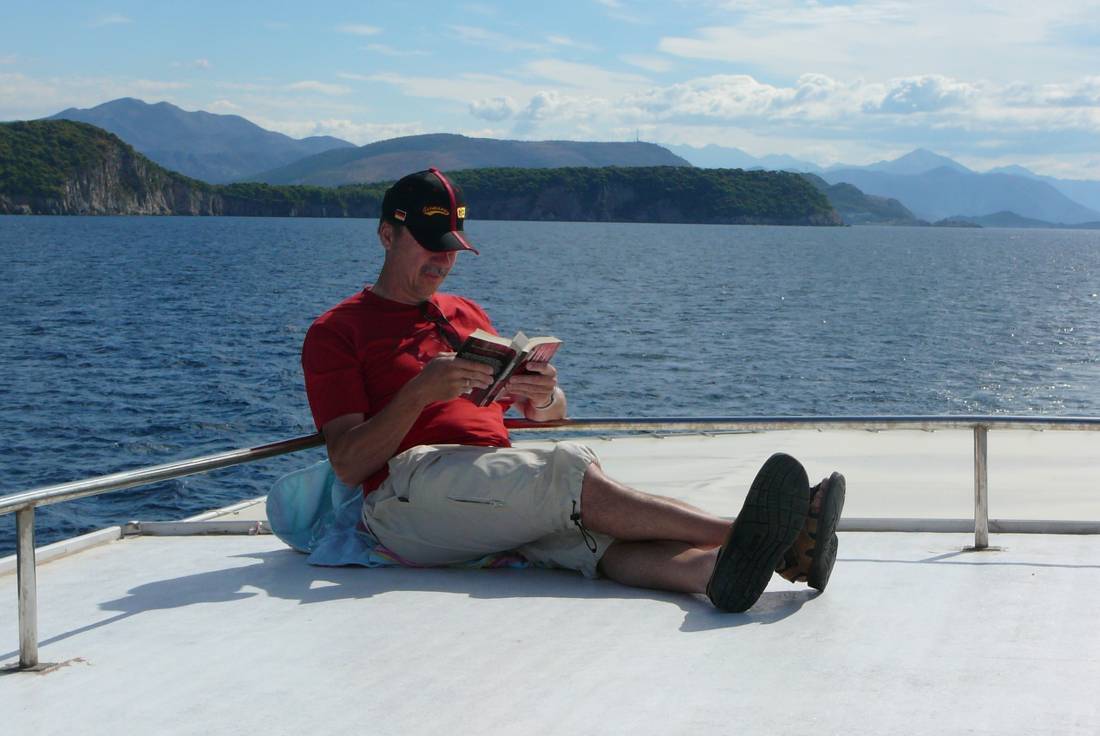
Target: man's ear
[(386, 234)]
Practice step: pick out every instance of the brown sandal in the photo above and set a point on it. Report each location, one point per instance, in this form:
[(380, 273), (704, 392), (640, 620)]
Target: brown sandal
[(807, 561)]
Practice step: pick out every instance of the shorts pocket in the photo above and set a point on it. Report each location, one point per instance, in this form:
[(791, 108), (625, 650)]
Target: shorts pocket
[(482, 500)]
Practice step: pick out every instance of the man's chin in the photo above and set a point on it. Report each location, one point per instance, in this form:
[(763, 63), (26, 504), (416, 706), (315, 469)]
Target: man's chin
[(428, 288), (432, 283)]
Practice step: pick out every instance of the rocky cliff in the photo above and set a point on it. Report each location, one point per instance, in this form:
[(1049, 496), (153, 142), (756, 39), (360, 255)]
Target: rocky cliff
[(121, 183), (66, 168)]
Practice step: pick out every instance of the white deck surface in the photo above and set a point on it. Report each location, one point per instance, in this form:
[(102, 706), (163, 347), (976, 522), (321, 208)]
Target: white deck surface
[(232, 634)]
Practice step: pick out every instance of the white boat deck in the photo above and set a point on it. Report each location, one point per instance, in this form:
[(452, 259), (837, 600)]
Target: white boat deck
[(914, 636)]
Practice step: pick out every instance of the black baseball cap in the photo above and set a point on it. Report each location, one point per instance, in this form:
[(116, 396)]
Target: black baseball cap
[(432, 207)]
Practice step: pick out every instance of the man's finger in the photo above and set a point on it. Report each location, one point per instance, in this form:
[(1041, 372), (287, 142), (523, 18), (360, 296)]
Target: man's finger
[(473, 365), (543, 367)]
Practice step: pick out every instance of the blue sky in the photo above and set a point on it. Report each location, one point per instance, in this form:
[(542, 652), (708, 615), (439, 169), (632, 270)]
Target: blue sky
[(987, 83)]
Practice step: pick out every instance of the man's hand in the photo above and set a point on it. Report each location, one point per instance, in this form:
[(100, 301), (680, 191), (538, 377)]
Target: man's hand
[(536, 386), (446, 377)]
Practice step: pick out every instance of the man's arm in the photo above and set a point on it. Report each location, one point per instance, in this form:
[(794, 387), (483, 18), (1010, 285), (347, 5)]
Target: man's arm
[(357, 447)]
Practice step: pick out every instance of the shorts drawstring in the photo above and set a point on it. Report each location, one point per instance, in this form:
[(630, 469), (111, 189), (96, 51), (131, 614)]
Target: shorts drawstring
[(589, 540)]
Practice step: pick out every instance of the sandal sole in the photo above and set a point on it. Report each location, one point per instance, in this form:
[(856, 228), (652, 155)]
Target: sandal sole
[(773, 514)]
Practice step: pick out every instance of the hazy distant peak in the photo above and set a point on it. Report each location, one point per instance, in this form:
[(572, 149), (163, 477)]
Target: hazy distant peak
[(209, 146), (1015, 170), (720, 157), (918, 161)]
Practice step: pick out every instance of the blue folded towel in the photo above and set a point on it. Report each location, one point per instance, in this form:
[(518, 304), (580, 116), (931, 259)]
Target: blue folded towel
[(313, 512)]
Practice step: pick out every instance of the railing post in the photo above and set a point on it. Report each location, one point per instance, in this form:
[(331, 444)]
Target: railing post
[(981, 486), (28, 595)]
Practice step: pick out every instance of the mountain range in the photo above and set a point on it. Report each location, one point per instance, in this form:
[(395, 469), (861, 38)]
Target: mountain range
[(936, 187), (202, 145), (390, 159), (721, 157), (948, 192), (1079, 190), (925, 185), (62, 167)]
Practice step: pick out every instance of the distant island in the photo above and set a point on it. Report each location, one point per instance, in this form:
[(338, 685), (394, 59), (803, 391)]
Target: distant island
[(918, 189), (61, 167)]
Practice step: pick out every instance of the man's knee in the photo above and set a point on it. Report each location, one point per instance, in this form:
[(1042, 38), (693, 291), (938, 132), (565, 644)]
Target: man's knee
[(594, 485)]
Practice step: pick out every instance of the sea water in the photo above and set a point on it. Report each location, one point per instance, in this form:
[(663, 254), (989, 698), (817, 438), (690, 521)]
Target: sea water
[(132, 341)]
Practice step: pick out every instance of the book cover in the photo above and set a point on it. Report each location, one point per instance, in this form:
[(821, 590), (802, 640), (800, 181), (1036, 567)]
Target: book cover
[(506, 356)]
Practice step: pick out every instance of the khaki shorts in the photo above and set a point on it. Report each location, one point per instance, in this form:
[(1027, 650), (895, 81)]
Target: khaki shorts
[(443, 504)]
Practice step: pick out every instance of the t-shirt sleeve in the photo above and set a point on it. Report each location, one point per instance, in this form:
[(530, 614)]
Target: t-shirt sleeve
[(334, 379)]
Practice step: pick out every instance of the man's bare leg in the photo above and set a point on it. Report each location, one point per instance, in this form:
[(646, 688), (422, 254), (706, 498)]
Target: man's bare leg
[(611, 508), (673, 566), (671, 546)]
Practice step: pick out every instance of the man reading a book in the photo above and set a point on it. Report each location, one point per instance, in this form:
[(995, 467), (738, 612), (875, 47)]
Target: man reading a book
[(442, 483)]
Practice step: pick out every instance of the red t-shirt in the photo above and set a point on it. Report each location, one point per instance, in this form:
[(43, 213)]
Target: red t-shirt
[(357, 355)]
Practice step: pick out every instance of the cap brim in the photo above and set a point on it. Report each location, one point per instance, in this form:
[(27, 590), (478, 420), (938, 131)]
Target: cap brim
[(454, 240)]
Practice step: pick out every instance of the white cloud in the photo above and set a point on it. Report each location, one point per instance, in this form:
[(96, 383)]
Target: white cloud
[(494, 40), (734, 97), (147, 86), (356, 132), (649, 62), (203, 64), (579, 112), (243, 86), (494, 109), (822, 118), (484, 132), (481, 9), (929, 93), (324, 88), (582, 80), (617, 9), (981, 40), (592, 79), (223, 105), (114, 19), (8, 59), (358, 29), (816, 115), (24, 97), (541, 106), (381, 48), (461, 88), (1083, 93), (566, 42)]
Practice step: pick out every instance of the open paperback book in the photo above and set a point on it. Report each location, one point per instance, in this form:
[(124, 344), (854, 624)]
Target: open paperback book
[(506, 356)]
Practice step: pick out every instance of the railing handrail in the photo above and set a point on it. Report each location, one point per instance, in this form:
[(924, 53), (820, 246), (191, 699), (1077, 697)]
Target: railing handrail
[(72, 490), (97, 485), (23, 504)]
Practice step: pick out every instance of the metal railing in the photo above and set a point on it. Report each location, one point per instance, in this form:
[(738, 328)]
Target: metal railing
[(23, 504)]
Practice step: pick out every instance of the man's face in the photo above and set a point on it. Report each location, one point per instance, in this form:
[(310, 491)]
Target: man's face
[(416, 272)]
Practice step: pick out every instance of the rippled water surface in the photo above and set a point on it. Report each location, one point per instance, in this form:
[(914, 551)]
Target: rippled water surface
[(134, 341)]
